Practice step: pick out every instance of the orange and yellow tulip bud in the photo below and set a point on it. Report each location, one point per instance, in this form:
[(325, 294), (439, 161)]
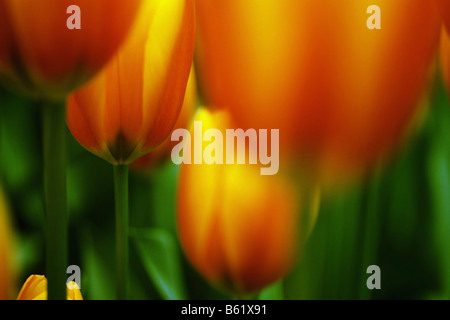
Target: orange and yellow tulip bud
[(42, 56), (132, 106), (35, 288), (162, 152), (340, 93), (241, 230), (7, 260)]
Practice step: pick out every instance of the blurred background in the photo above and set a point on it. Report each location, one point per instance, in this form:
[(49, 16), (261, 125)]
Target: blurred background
[(398, 218)]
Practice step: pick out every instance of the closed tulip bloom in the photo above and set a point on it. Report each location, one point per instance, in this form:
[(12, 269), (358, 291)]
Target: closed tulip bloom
[(240, 230), (7, 261), (162, 152), (42, 56), (340, 93), (35, 288), (132, 106)]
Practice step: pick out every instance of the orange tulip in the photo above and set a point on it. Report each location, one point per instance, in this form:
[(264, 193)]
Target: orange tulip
[(444, 9), (7, 265), (35, 288), (341, 94), (241, 230), (132, 106), (162, 152), (38, 52)]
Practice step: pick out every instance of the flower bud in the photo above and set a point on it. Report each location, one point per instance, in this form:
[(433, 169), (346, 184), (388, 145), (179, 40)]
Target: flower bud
[(132, 106), (35, 288), (241, 230)]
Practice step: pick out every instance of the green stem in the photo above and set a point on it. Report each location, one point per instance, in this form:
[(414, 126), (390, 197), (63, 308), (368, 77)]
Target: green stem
[(54, 131), (121, 200), (371, 230)]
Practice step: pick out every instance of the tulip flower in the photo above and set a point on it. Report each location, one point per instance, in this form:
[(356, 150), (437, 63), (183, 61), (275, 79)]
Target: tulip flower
[(162, 152), (340, 93), (42, 56), (7, 265), (240, 230), (35, 288), (132, 105)]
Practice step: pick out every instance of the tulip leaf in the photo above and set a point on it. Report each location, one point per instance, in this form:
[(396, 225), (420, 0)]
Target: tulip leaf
[(160, 257), (96, 281)]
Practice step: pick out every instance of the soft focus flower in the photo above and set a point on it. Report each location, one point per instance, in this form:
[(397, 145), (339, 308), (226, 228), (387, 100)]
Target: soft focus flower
[(241, 230), (162, 152), (7, 265), (40, 55), (444, 10), (132, 106), (341, 94), (35, 288)]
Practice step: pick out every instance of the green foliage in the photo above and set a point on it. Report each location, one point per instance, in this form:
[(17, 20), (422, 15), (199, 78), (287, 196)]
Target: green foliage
[(159, 253)]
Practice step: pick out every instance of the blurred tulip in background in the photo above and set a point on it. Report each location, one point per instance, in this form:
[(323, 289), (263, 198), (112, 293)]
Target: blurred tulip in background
[(342, 95), (241, 230), (41, 56)]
